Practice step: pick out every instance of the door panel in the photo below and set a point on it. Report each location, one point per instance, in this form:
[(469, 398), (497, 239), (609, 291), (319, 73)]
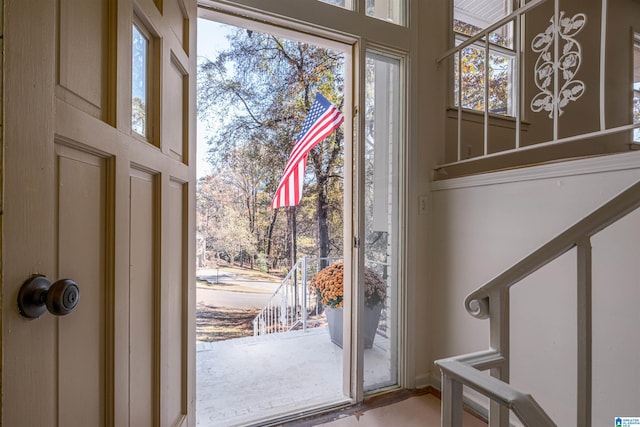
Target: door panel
[(175, 12), (176, 90), (82, 33), (144, 298), (175, 310), (81, 247), (93, 202)]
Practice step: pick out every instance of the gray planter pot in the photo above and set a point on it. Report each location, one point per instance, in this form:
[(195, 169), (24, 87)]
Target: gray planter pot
[(334, 320), (371, 318)]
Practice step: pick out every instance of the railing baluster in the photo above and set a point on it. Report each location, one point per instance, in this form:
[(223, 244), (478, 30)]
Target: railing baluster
[(451, 402), (516, 76), (487, 51), (499, 340), (584, 332), (283, 306), (603, 62), (459, 122), (304, 293), (556, 70)]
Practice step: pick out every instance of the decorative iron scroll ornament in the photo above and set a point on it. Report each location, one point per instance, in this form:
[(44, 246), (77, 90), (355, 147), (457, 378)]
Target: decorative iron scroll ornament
[(547, 68)]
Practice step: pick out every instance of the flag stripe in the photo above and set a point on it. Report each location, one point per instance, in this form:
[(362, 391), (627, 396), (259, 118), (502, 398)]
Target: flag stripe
[(322, 120), (329, 120), (326, 126), (303, 148)]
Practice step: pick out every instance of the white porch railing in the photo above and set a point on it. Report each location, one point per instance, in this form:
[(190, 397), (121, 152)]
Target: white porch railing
[(492, 301), (291, 306)]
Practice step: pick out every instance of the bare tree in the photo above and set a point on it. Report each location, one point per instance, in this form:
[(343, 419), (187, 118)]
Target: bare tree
[(259, 91)]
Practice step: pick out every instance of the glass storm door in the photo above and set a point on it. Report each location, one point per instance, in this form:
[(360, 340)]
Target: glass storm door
[(378, 305)]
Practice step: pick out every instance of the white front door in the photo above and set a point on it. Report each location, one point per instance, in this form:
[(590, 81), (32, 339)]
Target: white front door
[(99, 189)]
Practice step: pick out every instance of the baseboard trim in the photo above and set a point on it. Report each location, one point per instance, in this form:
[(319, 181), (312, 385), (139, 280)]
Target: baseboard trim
[(423, 381)]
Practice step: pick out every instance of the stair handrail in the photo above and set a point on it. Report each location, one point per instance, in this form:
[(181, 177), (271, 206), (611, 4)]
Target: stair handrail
[(492, 301), (613, 210)]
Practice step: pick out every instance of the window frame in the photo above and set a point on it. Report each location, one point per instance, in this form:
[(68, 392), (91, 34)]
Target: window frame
[(398, 189), (152, 128), (494, 49), (400, 7)]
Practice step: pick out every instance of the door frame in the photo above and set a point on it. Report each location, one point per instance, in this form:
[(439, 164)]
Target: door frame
[(348, 45), (333, 23)]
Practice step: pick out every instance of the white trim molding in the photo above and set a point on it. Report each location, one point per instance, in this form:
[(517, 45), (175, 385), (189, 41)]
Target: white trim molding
[(600, 164)]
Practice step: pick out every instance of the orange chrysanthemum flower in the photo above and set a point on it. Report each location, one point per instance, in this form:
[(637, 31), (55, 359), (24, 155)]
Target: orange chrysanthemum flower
[(328, 284)]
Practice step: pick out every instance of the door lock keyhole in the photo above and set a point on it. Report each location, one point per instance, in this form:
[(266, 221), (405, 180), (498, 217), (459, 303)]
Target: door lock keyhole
[(38, 295)]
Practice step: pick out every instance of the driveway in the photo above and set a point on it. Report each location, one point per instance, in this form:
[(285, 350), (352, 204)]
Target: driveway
[(232, 287)]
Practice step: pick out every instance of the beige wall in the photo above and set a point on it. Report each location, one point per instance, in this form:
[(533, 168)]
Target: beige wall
[(492, 221), (426, 133)]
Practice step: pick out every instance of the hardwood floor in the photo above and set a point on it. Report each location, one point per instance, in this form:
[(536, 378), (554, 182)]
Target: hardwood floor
[(398, 408)]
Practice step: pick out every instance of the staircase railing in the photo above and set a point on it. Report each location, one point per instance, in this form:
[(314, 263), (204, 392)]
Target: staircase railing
[(492, 301), (291, 306)]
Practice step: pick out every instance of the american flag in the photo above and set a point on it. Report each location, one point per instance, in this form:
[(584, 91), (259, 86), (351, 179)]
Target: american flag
[(322, 120)]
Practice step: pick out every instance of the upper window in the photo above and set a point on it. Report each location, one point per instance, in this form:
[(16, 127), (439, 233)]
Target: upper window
[(387, 10), (140, 81), (484, 75), (347, 4)]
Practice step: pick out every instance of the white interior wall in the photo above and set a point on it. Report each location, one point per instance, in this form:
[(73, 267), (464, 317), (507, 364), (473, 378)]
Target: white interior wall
[(484, 224)]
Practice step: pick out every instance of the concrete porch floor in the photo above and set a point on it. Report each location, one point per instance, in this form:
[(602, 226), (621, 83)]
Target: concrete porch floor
[(248, 380)]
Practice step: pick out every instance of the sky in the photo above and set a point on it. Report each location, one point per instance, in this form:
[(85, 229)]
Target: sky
[(211, 40)]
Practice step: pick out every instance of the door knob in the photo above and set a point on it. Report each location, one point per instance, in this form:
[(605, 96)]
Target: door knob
[(38, 295)]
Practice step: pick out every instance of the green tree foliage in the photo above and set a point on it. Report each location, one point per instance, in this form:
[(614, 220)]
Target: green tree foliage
[(256, 94)]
